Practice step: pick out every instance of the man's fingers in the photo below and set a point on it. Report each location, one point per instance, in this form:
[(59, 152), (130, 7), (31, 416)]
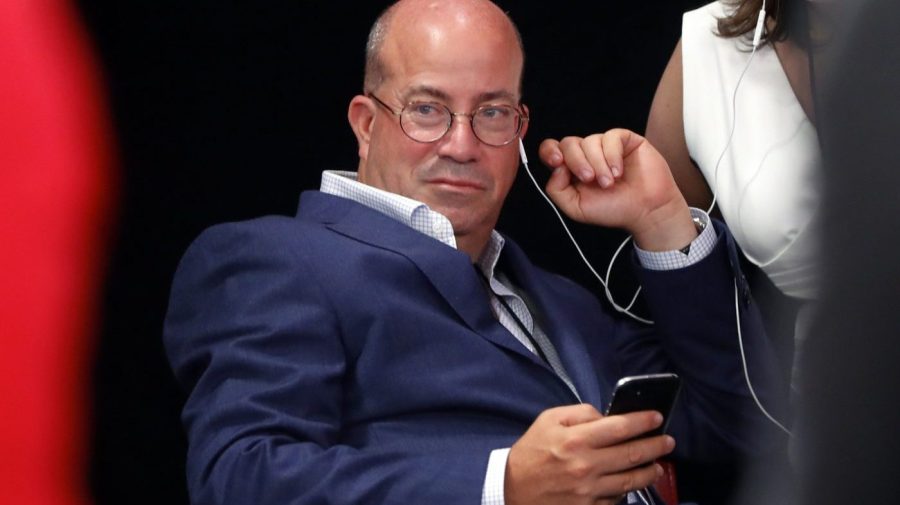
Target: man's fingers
[(636, 453), (575, 158), (593, 148), (613, 150), (563, 190), (613, 430), (617, 484), (559, 186), (610, 489), (571, 415), (550, 153), (612, 444)]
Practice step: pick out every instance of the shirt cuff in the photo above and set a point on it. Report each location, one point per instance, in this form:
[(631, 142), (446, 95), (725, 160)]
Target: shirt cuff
[(671, 260), (494, 478)]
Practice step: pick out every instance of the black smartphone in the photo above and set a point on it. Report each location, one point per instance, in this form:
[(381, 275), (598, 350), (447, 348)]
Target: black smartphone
[(646, 392)]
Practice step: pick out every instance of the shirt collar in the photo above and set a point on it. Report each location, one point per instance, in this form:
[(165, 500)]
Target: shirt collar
[(412, 213), (488, 260)]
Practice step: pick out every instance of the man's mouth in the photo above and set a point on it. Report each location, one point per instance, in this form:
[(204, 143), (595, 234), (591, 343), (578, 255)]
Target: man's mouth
[(457, 184)]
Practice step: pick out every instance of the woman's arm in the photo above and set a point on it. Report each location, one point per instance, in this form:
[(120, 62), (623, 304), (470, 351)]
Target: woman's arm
[(665, 130)]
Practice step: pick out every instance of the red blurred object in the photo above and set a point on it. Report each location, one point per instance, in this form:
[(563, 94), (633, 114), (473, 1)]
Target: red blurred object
[(56, 194), (667, 486)]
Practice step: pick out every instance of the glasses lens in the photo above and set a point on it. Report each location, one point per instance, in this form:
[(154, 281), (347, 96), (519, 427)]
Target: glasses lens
[(425, 121), (496, 125)]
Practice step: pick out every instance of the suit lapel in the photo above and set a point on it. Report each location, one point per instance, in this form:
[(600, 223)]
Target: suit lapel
[(553, 316), (449, 270)]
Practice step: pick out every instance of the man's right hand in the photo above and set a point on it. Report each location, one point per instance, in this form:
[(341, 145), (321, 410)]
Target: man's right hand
[(575, 455)]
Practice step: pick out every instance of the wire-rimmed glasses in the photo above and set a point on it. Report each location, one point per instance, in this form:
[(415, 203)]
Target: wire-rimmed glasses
[(494, 124)]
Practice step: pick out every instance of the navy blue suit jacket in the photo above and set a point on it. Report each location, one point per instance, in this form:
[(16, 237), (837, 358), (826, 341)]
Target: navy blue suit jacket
[(342, 357)]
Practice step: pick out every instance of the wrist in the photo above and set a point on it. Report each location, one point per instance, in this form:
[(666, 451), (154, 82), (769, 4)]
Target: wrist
[(666, 229)]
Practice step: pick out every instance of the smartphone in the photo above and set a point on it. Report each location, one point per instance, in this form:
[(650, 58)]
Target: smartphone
[(646, 392)]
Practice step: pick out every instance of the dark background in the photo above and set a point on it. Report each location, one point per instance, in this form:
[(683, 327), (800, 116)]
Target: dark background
[(228, 110)]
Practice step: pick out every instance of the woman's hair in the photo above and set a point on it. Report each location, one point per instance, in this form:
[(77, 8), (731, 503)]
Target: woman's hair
[(742, 20)]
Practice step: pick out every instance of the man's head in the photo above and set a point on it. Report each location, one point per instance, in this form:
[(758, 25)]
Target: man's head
[(463, 54)]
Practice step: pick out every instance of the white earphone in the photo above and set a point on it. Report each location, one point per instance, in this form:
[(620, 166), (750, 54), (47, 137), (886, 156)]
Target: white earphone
[(760, 20)]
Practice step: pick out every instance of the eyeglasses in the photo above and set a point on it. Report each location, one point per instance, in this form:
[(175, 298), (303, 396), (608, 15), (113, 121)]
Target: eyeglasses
[(426, 122)]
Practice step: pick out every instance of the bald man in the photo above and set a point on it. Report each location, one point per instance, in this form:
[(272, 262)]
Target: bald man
[(388, 345)]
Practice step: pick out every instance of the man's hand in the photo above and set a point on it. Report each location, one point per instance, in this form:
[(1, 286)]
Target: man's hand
[(575, 455), (618, 179)]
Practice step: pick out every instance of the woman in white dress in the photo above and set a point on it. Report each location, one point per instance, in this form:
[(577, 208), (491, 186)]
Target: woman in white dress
[(737, 127)]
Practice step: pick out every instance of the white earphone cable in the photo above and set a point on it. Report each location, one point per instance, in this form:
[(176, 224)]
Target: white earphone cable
[(756, 39), (603, 281), (737, 314)]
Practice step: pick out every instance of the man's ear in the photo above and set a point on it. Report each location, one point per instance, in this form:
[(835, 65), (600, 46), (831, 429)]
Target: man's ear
[(525, 123), (361, 115)]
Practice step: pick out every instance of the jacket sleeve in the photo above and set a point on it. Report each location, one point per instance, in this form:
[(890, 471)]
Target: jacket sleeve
[(254, 339), (695, 334)]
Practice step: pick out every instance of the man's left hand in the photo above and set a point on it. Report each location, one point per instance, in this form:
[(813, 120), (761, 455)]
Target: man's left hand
[(617, 179)]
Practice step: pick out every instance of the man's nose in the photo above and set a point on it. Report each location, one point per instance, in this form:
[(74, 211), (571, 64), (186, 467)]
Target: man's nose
[(460, 143)]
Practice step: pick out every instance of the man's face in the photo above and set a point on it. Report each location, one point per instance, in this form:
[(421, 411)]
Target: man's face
[(458, 175)]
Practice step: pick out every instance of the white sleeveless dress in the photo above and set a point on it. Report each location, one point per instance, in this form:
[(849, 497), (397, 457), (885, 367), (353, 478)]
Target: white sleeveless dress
[(768, 184)]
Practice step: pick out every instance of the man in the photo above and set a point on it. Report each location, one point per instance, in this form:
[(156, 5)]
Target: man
[(354, 354)]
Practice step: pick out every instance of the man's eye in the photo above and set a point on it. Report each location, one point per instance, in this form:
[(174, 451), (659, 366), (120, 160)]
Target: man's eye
[(425, 109), (495, 113)]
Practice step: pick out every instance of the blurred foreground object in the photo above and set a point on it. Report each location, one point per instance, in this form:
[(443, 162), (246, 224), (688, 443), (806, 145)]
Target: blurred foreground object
[(850, 410), (56, 191)]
